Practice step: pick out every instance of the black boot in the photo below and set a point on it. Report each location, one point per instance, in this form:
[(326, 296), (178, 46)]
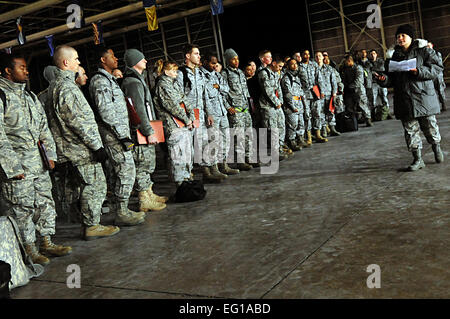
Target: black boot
[(418, 161), (438, 155)]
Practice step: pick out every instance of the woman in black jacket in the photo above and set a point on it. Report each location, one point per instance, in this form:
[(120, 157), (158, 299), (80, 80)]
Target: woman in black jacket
[(415, 100)]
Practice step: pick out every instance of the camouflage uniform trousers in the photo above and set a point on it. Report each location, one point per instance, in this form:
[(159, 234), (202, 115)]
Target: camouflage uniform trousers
[(275, 120), (353, 101), (145, 162), (382, 93), (317, 114), (295, 124), (427, 124), (219, 134), (92, 192), (201, 142), (123, 173), (181, 154), (242, 128), (307, 103), (31, 203), (327, 117)]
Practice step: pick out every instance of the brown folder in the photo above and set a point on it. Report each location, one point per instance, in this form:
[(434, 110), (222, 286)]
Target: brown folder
[(159, 133)]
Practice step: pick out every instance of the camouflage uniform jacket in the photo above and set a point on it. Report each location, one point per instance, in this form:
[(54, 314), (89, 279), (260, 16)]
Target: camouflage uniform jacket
[(310, 76), (111, 107), (135, 87), (353, 78), (72, 121), (328, 85), (216, 102), (22, 124), (195, 91), (271, 93), (367, 66), (292, 91), (237, 96), (168, 97)]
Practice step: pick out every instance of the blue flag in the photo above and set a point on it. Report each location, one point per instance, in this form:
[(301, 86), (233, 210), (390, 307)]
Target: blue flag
[(51, 47), (216, 7)]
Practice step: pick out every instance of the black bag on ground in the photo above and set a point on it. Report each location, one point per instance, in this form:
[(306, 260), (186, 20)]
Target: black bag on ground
[(346, 122), (190, 191), (5, 278)]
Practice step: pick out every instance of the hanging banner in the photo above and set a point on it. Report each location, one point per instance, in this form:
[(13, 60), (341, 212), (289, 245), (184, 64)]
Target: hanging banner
[(51, 47), (20, 34), (216, 7), (98, 32), (150, 12)]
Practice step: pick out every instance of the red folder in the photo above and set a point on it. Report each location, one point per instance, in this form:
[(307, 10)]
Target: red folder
[(180, 123), (316, 91), (331, 105), (159, 133)]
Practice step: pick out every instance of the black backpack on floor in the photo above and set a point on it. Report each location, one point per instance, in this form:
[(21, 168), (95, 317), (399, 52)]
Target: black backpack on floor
[(346, 122), (190, 191)]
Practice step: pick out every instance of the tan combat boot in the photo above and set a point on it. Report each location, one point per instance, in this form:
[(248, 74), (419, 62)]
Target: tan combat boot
[(210, 178), (126, 217), (158, 198), (215, 171), (98, 231), (48, 248), (301, 141), (319, 138), (36, 257), (147, 203), (224, 168), (309, 139)]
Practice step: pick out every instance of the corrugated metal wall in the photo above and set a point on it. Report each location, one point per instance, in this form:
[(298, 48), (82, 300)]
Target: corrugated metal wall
[(339, 24)]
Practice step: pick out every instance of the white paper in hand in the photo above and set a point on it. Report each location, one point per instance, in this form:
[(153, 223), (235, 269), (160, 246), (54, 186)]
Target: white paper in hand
[(402, 66)]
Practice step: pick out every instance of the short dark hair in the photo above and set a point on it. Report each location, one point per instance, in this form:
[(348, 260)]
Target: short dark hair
[(100, 51), (187, 49), (207, 57), (7, 61), (277, 59), (263, 52)]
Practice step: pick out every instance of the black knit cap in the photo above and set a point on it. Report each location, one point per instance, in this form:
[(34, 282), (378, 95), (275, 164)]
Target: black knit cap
[(406, 29)]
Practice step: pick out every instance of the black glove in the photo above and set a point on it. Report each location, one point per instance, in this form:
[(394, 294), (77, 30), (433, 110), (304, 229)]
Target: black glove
[(127, 144), (100, 155)]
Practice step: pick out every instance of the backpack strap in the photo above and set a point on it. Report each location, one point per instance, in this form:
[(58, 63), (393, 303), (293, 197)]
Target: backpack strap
[(187, 83), (3, 99)]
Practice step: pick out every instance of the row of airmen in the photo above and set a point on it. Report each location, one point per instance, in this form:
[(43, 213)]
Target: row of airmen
[(83, 137)]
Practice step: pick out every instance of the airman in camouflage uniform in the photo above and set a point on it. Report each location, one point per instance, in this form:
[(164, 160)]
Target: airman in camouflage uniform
[(328, 88), (237, 105), (78, 141), (271, 101), (112, 116), (194, 85), (217, 89), (135, 87), (293, 106), (309, 75), (339, 98), (367, 68), (169, 101), (355, 93), (377, 90), (25, 183)]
